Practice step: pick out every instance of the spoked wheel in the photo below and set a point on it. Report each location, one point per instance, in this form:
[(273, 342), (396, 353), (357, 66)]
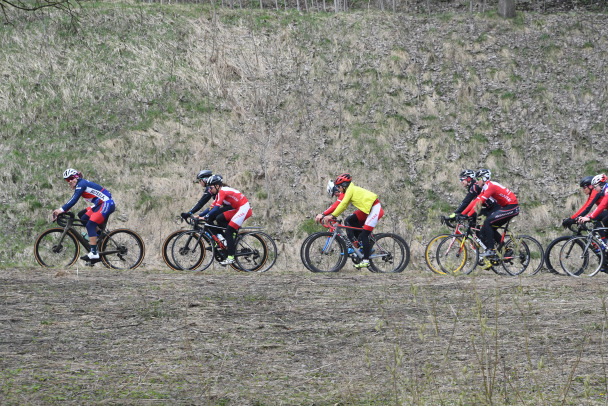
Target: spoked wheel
[(191, 252), (324, 253), (251, 253), (457, 255), (53, 252), (303, 249), (122, 249), (578, 259), (271, 251), (515, 256), (552, 255), (537, 254), (166, 250), (430, 254), (390, 253)]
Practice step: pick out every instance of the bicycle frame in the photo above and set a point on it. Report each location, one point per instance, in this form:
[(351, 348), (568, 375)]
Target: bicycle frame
[(338, 231)]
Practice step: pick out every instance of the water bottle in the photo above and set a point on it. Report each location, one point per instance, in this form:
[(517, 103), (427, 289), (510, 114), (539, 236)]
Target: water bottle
[(222, 239), (85, 235)]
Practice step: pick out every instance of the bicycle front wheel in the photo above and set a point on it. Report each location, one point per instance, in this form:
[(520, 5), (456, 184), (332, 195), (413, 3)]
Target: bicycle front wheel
[(122, 249), (552, 255), (325, 253), (251, 253), (166, 250), (189, 251), (390, 253), (303, 249), (457, 255), (52, 251), (430, 254), (579, 258)]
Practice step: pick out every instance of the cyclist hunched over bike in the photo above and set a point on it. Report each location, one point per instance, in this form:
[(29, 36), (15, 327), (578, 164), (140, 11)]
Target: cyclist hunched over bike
[(593, 198), (229, 209), (202, 178), (368, 212), (600, 214), (94, 216), (467, 180), (506, 208)]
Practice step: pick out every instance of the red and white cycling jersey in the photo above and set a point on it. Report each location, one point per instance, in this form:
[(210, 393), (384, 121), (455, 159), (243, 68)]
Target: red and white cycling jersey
[(501, 194), (230, 196), (602, 203)]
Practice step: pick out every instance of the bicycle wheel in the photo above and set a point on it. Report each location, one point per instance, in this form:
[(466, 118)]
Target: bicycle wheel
[(430, 254), (189, 251), (324, 253), (122, 249), (251, 253), (271, 251), (578, 258), (390, 253), (303, 249), (552, 255), (166, 250), (53, 252), (537, 254), (515, 256), (455, 256)]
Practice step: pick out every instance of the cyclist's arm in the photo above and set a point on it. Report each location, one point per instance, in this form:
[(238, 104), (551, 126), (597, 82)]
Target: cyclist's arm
[(467, 200), (203, 201), (586, 208), (332, 208), (77, 193), (601, 206), (345, 202)]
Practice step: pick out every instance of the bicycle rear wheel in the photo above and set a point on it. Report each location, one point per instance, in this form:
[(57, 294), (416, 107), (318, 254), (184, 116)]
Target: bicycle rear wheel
[(324, 253), (122, 249), (251, 253), (303, 249), (166, 250), (552, 255), (390, 254), (515, 256), (430, 254), (53, 252), (271, 251), (457, 256), (578, 259), (191, 251)]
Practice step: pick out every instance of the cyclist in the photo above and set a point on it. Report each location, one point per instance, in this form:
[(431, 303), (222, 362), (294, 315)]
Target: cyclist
[(229, 209), (332, 191), (600, 214), (506, 208), (593, 198), (368, 212), (202, 178), (467, 180), (95, 215)]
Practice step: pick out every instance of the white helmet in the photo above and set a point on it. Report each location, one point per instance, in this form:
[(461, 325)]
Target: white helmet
[(331, 188), (68, 173), (598, 179)]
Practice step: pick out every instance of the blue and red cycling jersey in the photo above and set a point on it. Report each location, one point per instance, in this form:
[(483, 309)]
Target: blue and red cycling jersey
[(89, 191)]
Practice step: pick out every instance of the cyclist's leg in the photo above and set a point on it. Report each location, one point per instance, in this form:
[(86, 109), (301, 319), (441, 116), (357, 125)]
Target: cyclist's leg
[(602, 221), (236, 221), (354, 220), (371, 221), (97, 216)]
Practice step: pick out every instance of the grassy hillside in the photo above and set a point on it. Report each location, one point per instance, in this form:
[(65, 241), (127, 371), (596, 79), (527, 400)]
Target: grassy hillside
[(143, 96)]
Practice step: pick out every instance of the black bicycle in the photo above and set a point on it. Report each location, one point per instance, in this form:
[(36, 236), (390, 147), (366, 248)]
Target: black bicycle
[(59, 247), (197, 248)]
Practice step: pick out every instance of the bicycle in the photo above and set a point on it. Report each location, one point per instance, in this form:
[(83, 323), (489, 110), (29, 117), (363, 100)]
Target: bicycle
[(328, 251), (513, 253), (430, 252), (196, 249), (555, 246), (60, 246), (584, 255)]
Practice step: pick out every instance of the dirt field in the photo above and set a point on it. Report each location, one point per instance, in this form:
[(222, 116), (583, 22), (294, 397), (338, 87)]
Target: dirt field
[(154, 336)]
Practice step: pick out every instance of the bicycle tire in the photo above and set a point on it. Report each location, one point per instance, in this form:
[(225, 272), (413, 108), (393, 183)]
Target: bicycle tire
[(577, 260), (251, 253), (127, 247), (303, 248), (49, 255), (272, 252), (552, 255), (456, 257), (166, 250), (515, 256), (188, 251), (325, 253), (430, 254), (537, 254), (391, 254)]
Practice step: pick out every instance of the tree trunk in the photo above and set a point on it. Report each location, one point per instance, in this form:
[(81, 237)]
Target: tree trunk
[(506, 8)]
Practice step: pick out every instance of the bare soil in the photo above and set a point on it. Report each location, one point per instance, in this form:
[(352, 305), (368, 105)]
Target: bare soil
[(153, 336)]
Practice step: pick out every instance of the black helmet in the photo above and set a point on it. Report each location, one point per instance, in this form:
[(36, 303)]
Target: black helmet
[(467, 173), (214, 180), (205, 173), (586, 181)]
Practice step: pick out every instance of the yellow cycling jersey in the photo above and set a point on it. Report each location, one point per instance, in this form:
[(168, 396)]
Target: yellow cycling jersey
[(361, 198)]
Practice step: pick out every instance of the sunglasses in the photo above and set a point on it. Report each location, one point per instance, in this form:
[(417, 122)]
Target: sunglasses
[(71, 178)]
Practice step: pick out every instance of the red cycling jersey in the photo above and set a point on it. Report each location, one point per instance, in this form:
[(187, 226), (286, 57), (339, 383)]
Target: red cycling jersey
[(333, 206), (587, 204), (501, 194), (228, 195), (602, 203)]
